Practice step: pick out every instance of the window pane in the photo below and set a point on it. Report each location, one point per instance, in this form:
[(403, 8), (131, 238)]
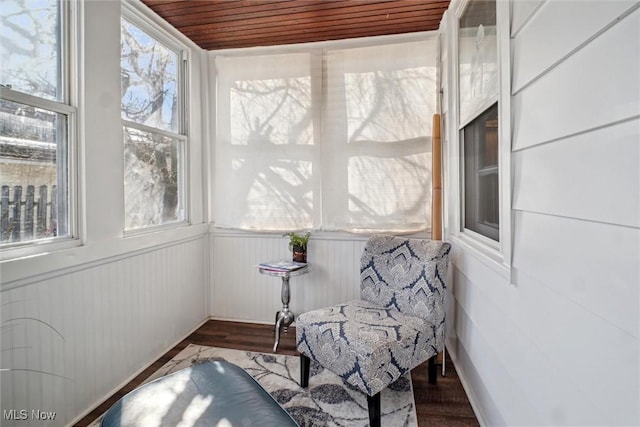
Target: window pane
[(265, 174), (378, 125), (276, 193), (390, 193), (33, 173), (148, 79), (30, 47), (271, 111), (151, 181), (481, 197), (478, 58), (389, 105)]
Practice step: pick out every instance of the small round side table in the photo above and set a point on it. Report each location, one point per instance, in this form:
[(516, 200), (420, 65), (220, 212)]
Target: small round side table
[(284, 317)]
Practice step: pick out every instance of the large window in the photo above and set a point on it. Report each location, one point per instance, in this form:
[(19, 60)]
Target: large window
[(338, 139), (36, 122), (377, 127), (152, 75), (479, 142)]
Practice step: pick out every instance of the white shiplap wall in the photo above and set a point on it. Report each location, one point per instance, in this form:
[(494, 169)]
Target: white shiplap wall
[(93, 327), (557, 343), (239, 292)]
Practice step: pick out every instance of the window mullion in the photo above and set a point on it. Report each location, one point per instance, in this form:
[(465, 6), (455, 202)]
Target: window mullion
[(183, 72), (35, 101), (62, 189), (154, 130)]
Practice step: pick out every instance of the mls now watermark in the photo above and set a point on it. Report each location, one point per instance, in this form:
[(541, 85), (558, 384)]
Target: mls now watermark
[(24, 415)]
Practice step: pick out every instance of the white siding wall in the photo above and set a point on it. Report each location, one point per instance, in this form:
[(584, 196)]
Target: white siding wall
[(240, 292), (557, 343)]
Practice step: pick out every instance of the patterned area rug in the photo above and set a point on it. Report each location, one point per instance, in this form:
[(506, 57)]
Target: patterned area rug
[(327, 402)]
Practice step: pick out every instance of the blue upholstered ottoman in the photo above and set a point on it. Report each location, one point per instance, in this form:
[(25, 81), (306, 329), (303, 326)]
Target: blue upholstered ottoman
[(215, 393)]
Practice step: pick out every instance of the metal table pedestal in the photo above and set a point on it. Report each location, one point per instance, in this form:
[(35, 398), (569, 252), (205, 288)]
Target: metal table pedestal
[(285, 317)]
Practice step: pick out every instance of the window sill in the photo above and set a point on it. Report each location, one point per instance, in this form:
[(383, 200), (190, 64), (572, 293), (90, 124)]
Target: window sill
[(315, 234), (488, 254), (18, 272), (37, 247), (154, 229)]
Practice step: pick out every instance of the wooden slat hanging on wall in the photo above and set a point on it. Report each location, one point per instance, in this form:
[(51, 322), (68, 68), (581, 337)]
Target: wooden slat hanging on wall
[(436, 180), (436, 195)]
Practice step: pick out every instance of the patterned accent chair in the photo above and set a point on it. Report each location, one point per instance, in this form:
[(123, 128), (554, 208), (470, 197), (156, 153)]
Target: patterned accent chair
[(396, 325)]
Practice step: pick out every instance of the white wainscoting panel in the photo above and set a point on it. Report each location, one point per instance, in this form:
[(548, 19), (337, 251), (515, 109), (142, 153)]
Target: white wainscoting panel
[(239, 292), (72, 340)]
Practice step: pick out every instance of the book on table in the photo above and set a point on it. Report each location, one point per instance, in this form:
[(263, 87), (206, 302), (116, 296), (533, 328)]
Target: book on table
[(281, 265)]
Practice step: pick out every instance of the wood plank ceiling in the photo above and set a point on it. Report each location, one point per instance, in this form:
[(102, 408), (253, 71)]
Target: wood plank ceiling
[(226, 24)]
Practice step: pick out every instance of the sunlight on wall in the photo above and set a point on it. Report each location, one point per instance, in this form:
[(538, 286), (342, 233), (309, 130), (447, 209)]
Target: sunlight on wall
[(329, 138)]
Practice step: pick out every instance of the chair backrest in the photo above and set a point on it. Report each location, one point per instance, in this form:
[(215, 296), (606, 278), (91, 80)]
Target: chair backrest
[(406, 274)]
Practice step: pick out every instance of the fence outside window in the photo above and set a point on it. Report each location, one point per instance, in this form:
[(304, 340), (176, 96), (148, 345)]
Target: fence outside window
[(26, 214)]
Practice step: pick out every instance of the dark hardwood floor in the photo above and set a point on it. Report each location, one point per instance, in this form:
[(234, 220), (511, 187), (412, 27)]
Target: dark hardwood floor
[(442, 404)]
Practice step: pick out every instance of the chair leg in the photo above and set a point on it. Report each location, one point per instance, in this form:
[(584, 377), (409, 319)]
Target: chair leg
[(433, 370), (305, 362), (373, 402)]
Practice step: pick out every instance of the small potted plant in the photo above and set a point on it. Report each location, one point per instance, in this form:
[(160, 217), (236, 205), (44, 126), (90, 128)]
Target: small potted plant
[(298, 245)]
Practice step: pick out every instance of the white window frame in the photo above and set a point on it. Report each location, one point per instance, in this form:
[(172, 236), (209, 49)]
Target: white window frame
[(67, 105), (138, 18), (495, 254), (482, 229)]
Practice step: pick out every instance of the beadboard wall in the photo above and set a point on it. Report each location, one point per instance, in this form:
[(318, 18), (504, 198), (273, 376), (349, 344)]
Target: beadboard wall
[(71, 339), (239, 292)]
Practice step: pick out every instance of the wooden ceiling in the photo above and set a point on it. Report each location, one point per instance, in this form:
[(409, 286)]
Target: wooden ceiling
[(226, 24)]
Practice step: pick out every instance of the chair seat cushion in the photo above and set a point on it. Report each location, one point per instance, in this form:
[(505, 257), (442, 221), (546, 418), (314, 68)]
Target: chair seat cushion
[(367, 345), (214, 393)]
